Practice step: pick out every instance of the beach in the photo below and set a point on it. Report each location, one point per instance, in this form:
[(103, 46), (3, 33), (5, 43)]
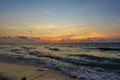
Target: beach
[(59, 40), (14, 69)]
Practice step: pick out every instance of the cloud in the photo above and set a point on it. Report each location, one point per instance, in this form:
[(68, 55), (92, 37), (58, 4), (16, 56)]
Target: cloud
[(4, 38), (22, 37), (30, 31), (58, 29), (47, 12), (63, 38), (48, 30), (96, 17), (51, 32), (16, 39)]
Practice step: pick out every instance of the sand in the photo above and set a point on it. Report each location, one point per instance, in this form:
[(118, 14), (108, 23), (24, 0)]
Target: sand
[(14, 69)]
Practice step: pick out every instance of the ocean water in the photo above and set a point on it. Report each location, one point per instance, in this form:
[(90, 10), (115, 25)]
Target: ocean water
[(89, 61)]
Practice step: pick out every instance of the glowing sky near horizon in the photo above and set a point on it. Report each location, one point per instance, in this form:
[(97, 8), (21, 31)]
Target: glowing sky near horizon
[(59, 20)]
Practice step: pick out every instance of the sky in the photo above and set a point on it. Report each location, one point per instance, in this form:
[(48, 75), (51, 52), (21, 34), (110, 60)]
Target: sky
[(59, 21)]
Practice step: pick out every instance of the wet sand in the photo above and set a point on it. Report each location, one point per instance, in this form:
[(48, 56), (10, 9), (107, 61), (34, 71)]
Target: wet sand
[(14, 69)]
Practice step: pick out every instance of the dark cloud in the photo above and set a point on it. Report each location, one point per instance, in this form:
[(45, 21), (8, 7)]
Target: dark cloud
[(18, 39), (8, 37), (26, 39), (22, 37), (30, 31)]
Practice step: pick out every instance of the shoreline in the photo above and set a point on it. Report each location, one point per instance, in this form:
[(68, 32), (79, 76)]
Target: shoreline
[(15, 69)]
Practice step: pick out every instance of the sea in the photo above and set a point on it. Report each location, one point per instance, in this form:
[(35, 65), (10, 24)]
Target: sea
[(86, 61)]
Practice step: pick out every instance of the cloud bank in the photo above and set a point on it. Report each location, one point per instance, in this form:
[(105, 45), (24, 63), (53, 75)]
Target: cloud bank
[(62, 39)]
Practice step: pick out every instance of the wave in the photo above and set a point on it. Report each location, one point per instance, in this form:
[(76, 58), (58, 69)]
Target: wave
[(84, 72), (95, 58), (77, 68), (87, 60), (110, 49), (106, 49), (52, 49), (86, 67)]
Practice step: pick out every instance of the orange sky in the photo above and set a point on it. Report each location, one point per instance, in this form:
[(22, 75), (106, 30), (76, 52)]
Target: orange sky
[(57, 33), (59, 21)]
